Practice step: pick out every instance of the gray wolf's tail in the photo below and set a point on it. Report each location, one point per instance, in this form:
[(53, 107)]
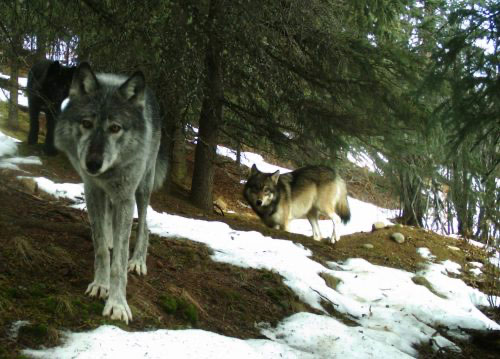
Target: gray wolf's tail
[(342, 206), (161, 166)]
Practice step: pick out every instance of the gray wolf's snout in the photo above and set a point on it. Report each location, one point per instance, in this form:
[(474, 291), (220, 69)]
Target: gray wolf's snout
[(94, 162), (259, 202), (95, 158)]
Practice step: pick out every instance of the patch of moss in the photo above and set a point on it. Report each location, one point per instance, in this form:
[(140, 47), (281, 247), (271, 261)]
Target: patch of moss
[(38, 290), (15, 293), (33, 333), (86, 309), (180, 307), (229, 294), (81, 308), (267, 275), (50, 304), (168, 303), (187, 311), (276, 294), (280, 296), (96, 308)]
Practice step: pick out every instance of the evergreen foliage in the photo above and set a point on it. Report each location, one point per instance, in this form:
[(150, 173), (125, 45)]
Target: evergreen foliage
[(415, 82)]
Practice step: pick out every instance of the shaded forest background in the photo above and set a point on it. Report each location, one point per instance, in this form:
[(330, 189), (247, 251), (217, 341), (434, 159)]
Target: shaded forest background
[(413, 85)]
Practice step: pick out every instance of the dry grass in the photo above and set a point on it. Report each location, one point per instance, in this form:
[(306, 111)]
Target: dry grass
[(26, 252)]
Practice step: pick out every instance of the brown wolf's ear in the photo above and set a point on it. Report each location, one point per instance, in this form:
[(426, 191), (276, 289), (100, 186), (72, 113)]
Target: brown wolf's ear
[(275, 176), (134, 89), (254, 170), (84, 81)]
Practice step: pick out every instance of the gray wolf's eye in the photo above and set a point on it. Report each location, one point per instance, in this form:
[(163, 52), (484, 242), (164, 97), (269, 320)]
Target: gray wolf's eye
[(87, 124), (114, 128)]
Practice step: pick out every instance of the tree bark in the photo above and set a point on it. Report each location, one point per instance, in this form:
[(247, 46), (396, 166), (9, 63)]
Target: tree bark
[(211, 113), (41, 47), (177, 152), (13, 118), (179, 168), (411, 199)]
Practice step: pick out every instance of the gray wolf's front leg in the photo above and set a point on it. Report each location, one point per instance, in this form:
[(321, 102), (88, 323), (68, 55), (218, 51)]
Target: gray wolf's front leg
[(137, 263), (116, 306), (98, 206)]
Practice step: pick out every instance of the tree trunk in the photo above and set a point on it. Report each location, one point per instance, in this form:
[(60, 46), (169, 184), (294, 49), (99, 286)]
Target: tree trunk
[(411, 199), (238, 155), (462, 199), (177, 150), (178, 168), (41, 47), (13, 119), (211, 114)]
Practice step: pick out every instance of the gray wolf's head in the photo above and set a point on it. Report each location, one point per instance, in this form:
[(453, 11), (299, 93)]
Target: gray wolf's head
[(96, 126), (261, 188)]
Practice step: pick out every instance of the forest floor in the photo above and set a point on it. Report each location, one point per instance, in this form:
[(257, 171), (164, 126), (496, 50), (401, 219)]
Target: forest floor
[(46, 262)]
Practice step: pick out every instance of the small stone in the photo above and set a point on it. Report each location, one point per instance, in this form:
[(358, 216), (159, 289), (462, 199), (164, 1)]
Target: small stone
[(378, 225), (368, 246), (398, 237)]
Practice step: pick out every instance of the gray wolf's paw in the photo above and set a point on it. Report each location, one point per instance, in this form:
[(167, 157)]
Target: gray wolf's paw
[(118, 310), (97, 290), (329, 240), (137, 266)]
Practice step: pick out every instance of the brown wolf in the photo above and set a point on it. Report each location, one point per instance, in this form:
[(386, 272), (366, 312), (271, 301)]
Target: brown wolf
[(306, 192)]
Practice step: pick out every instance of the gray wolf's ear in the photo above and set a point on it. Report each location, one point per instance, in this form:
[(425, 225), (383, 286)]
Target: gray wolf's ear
[(134, 89), (84, 81), (254, 170), (275, 176)]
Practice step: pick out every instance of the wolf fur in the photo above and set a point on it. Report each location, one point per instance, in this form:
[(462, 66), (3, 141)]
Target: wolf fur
[(306, 192), (111, 132), (48, 85)]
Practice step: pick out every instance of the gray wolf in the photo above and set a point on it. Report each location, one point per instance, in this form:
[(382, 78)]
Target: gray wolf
[(306, 192), (48, 85), (111, 132)]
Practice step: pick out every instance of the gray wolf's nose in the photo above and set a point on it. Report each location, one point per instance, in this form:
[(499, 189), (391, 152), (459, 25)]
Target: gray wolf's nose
[(94, 163)]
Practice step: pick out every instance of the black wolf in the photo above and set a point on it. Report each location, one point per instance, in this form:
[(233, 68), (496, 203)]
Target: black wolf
[(48, 86)]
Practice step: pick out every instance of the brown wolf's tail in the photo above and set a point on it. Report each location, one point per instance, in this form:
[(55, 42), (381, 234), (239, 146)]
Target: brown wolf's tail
[(342, 206)]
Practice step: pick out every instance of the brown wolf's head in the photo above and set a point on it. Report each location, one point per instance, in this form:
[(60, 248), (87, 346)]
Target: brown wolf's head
[(261, 190)]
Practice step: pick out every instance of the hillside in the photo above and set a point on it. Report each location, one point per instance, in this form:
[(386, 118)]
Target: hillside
[(46, 261)]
